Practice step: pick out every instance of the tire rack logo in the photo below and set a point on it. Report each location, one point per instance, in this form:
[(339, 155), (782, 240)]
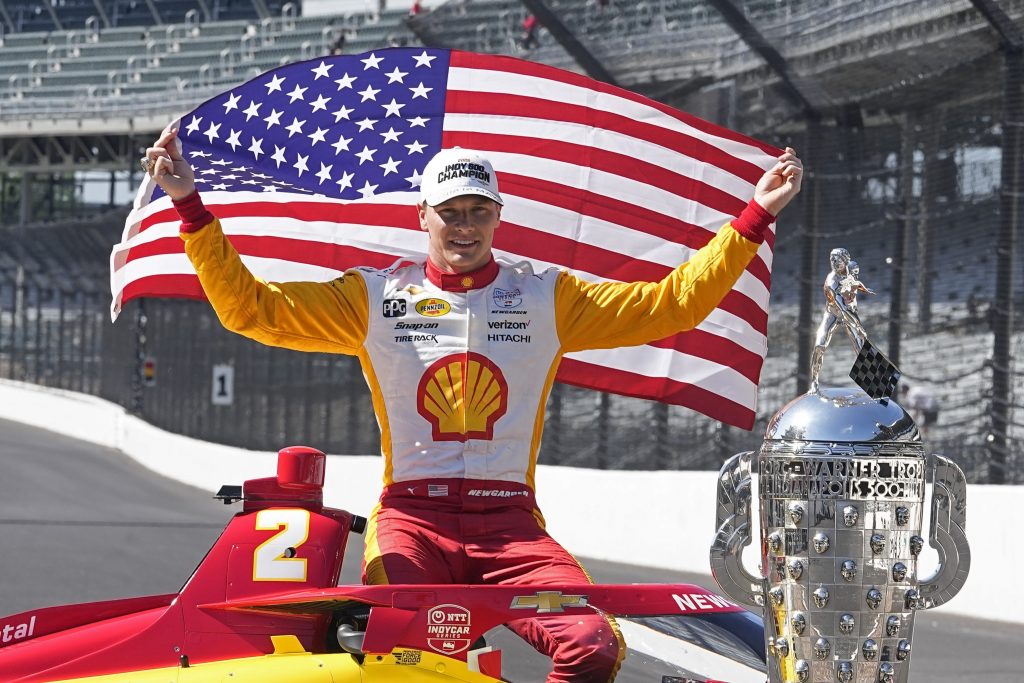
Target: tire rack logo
[(448, 629), (394, 308)]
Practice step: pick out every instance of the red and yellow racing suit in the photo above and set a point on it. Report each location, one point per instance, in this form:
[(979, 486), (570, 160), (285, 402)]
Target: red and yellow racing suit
[(459, 367)]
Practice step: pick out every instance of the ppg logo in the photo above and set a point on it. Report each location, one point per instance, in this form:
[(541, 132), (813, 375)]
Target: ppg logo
[(394, 308)]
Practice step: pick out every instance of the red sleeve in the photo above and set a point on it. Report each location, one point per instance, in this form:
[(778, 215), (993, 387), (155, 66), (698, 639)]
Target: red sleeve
[(753, 222), (192, 212)]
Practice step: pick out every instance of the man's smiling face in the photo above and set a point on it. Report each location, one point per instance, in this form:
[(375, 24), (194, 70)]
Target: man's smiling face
[(461, 231)]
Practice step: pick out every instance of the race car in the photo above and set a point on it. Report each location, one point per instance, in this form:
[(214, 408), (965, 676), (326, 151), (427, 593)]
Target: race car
[(264, 605)]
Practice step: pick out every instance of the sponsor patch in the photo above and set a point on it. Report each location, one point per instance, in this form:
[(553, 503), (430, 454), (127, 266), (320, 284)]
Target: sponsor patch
[(12, 632), (408, 657), (508, 324), (548, 602), (448, 628), (394, 308), (433, 308), (700, 602), (496, 493), (407, 338), (511, 338), (507, 298), (415, 326)]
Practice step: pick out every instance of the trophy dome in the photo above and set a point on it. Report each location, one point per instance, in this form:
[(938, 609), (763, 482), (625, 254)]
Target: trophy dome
[(842, 414)]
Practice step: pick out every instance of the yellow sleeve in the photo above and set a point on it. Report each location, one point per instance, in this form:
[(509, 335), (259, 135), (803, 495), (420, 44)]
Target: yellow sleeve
[(329, 317), (611, 314)]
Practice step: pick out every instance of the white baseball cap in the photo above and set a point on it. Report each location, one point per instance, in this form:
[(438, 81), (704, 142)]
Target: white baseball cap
[(455, 172)]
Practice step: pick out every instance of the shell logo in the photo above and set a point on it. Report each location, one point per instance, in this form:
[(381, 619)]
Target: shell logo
[(433, 308), (462, 396)]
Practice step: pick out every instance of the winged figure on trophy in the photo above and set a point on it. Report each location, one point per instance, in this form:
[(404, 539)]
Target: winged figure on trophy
[(872, 371)]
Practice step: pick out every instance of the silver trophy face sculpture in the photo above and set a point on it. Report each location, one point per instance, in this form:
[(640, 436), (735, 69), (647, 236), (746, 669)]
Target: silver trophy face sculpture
[(841, 482)]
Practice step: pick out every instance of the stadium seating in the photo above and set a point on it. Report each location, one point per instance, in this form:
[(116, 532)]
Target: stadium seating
[(96, 71)]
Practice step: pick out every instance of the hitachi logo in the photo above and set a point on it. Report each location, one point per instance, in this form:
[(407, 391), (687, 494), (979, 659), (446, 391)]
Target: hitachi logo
[(515, 338), (18, 631), (508, 324)]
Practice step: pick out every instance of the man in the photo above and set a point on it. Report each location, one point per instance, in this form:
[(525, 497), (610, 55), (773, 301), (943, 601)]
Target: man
[(460, 353)]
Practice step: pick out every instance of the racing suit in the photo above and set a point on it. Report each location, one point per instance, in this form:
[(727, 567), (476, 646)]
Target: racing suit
[(459, 367)]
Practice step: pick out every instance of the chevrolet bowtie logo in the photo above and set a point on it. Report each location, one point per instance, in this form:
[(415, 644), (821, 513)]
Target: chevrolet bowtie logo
[(548, 601)]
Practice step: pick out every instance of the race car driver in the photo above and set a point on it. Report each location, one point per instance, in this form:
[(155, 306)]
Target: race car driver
[(460, 353)]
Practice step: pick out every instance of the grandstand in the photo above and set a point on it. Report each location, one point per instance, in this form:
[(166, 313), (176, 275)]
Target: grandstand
[(906, 112)]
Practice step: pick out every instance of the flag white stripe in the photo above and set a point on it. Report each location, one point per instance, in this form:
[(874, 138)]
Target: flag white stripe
[(612, 141), (655, 362), (479, 82)]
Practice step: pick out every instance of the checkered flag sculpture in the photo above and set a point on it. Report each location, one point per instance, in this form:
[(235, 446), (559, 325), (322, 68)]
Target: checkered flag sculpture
[(875, 373)]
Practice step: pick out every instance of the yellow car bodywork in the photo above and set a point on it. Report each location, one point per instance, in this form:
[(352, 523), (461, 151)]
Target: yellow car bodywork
[(291, 663)]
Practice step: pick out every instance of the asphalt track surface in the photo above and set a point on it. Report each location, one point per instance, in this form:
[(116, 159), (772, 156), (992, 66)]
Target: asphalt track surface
[(80, 523)]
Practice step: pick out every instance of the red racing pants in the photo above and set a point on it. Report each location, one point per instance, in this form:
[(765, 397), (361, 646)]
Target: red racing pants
[(489, 532)]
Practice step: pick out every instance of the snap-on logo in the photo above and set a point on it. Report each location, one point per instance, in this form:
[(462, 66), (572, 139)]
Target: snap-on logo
[(433, 308), (448, 628)]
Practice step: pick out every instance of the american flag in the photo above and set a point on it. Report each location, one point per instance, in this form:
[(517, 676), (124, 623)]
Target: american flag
[(314, 168)]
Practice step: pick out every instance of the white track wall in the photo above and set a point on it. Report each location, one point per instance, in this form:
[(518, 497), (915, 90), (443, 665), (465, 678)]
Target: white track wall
[(654, 519)]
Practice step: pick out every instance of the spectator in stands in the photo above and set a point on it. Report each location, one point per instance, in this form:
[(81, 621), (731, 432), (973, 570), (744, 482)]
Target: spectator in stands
[(922, 405), (338, 45), (972, 308), (458, 505), (416, 8), (529, 38)]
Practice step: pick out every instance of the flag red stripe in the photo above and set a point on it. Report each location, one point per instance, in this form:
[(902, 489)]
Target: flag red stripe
[(716, 406), (512, 65), (602, 160), (178, 286), (633, 216), (500, 104), (721, 350)]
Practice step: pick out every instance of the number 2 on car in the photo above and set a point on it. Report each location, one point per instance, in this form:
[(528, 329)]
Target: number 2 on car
[(274, 560)]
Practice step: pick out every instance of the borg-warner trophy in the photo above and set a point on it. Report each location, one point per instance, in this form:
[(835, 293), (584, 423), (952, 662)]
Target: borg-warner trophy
[(842, 478)]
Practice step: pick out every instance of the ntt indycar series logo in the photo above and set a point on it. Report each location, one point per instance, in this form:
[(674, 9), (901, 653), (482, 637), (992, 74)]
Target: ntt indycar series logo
[(448, 629)]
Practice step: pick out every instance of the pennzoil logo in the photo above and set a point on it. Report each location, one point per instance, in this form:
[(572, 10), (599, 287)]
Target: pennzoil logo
[(548, 602), (462, 395), (433, 308), (448, 628)]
